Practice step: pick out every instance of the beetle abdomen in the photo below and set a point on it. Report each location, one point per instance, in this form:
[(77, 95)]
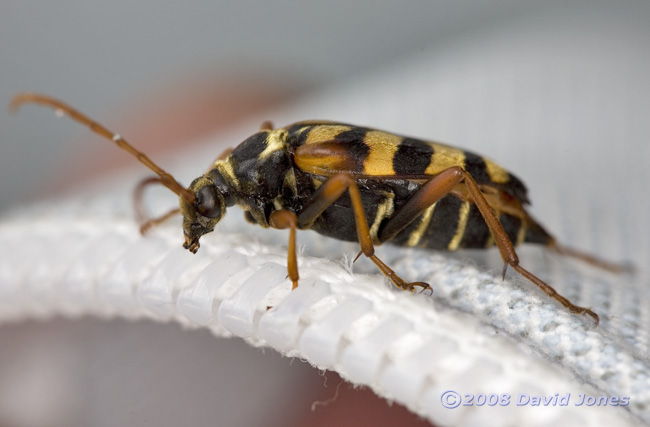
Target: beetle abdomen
[(450, 224), (454, 223)]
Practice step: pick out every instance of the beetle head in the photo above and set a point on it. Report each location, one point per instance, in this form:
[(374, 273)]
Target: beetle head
[(203, 213)]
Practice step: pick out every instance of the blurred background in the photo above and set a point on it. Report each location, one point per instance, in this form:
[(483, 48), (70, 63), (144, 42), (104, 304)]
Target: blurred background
[(165, 74), (201, 65)]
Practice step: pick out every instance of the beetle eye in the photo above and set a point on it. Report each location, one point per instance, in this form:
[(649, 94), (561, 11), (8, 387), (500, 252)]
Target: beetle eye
[(207, 202)]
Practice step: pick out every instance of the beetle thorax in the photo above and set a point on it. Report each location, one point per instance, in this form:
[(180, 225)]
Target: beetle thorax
[(256, 171)]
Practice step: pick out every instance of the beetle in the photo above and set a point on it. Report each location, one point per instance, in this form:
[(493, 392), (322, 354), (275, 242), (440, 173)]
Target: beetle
[(356, 184)]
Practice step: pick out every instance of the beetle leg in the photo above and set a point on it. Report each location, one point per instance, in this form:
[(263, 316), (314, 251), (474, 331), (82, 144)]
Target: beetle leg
[(282, 219), (592, 260), (266, 125), (327, 194), (225, 153), (152, 222), (143, 219), (439, 186)]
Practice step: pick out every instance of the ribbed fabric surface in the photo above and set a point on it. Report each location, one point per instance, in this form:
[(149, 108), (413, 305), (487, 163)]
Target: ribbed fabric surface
[(408, 348)]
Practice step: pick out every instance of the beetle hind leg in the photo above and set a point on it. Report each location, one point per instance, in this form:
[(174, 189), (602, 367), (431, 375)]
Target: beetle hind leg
[(442, 184), (612, 267)]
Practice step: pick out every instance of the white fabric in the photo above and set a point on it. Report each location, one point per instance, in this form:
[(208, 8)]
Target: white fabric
[(409, 348)]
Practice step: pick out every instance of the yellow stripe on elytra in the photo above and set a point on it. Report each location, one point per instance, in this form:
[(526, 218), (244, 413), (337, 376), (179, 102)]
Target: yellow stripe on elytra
[(497, 174), (385, 209), (416, 235), (316, 183), (383, 147), (444, 157), (463, 214), (521, 233), (321, 133)]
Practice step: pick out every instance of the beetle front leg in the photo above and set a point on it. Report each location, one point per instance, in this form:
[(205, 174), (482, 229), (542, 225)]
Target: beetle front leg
[(326, 195), (147, 223), (281, 220)]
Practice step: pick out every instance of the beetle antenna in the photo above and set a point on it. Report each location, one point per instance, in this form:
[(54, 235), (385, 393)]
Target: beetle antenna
[(62, 109)]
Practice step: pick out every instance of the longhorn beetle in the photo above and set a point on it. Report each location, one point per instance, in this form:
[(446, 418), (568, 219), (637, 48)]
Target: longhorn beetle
[(358, 184)]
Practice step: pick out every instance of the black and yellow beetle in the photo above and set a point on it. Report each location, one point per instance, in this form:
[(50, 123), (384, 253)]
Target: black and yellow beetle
[(357, 184)]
